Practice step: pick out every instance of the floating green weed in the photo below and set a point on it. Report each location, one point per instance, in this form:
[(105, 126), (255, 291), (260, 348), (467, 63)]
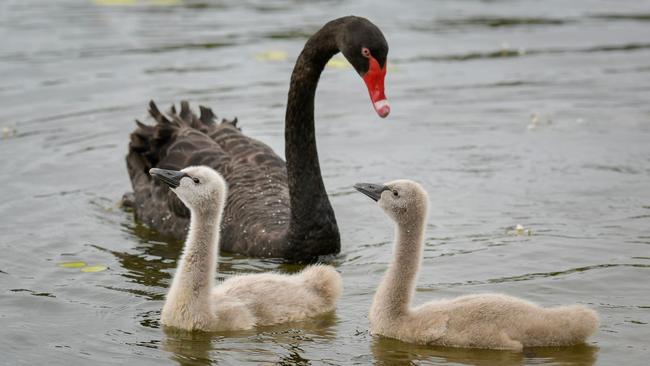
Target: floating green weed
[(72, 264), (84, 267), (97, 268)]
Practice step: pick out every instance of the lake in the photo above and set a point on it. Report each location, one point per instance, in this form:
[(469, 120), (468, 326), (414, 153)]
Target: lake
[(508, 112)]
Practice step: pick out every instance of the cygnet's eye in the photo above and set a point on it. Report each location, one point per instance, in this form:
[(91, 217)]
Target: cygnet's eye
[(365, 52), (395, 194), (196, 180)]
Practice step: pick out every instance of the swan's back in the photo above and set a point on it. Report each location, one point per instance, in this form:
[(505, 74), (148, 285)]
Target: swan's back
[(277, 298), (257, 209), (474, 319), (323, 281), (563, 325)]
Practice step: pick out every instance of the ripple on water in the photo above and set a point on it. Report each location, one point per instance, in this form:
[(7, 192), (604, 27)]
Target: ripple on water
[(451, 24), (507, 52), (463, 86), (538, 275)]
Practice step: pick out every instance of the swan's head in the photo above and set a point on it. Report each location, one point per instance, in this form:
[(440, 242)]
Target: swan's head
[(403, 200), (365, 47), (199, 187)]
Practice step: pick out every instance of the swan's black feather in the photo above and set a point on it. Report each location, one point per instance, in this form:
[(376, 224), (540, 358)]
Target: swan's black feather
[(257, 212)]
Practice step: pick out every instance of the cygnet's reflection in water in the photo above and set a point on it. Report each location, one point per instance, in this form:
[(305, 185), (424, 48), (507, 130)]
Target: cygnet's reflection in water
[(201, 348), (393, 352)]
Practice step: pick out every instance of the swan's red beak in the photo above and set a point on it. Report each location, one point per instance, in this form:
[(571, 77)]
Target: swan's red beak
[(374, 79)]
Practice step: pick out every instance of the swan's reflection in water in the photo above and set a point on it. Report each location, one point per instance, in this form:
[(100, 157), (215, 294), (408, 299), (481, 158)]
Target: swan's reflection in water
[(200, 348), (393, 352), (188, 348)]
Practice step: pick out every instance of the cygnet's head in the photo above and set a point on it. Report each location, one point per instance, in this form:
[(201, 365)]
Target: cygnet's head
[(403, 200), (199, 187)]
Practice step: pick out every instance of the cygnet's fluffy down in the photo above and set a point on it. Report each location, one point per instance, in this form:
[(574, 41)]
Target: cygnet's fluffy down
[(271, 298), (480, 321), (242, 302)]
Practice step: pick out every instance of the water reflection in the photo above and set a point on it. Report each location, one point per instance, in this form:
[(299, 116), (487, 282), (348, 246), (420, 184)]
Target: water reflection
[(188, 348), (392, 352), (201, 348), (150, 262), (465, 78)]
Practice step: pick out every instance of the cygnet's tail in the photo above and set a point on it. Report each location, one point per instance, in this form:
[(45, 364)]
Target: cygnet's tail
[(325, 281), (565, 326)]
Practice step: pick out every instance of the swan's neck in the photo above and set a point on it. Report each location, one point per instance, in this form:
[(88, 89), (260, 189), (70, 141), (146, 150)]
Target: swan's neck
[(312, 216), (393, 297), (194, 278)]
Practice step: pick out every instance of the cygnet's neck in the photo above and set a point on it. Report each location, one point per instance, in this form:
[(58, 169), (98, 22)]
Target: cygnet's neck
[(197, 266), (393, 297)]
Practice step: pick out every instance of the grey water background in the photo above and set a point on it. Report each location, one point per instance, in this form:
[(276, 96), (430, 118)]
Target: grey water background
[(508, 112)]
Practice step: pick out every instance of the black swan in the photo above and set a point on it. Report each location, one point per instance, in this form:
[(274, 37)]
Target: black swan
[(273, 209)]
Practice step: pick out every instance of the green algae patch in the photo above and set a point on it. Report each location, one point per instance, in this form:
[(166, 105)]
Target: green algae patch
[(73, 264), (83, 266), (92, 269)]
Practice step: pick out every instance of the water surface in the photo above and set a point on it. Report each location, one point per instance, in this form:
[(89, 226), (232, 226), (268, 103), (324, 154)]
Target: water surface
[(508, 112)]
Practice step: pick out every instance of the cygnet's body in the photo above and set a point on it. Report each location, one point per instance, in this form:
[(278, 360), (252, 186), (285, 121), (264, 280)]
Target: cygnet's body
[(243, 302), (479, 321)]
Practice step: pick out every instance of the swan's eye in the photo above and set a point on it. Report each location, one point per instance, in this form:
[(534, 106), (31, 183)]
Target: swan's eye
[(196, 180), (395, 193), (365, 52)]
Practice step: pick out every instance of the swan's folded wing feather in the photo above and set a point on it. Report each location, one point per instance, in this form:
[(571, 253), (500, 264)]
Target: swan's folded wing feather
[(171, 144), (244, 149), (257, 213)]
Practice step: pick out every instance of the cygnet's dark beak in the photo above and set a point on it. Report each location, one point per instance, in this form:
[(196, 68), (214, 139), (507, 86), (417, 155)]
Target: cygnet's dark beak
[(171, 177), (371, 190)]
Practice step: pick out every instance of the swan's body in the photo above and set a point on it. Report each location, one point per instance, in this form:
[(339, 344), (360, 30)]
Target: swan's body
[(480, 321), (273, 209), (244, 302), (194, 303)]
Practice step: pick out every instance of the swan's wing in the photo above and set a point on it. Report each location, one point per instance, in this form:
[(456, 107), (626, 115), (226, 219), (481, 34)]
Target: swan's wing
[(257, 213), (430, 322), (173, 143)]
